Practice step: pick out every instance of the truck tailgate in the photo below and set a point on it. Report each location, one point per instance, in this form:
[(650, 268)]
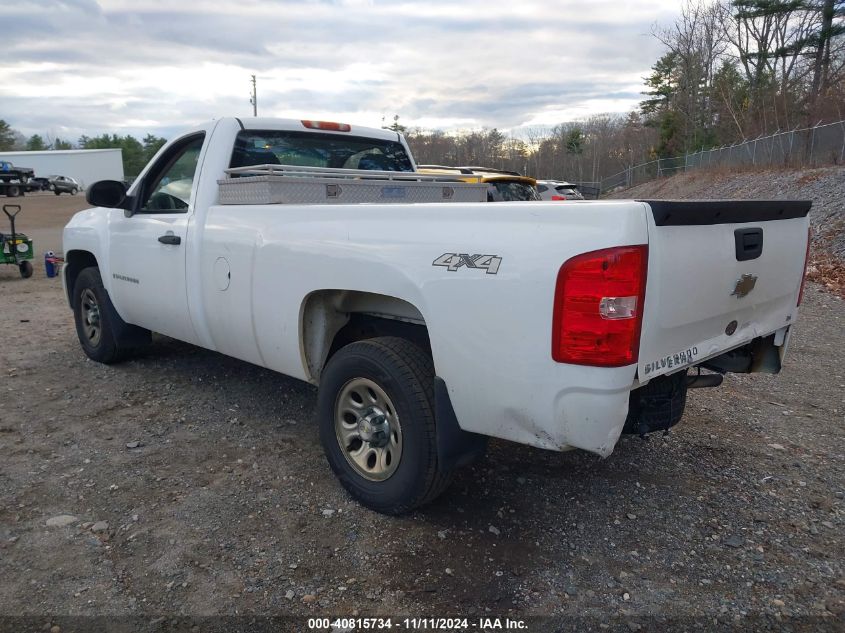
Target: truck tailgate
[(720, 273)]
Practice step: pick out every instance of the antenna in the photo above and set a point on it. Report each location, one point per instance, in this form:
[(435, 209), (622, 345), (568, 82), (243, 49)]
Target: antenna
[(254, 98)]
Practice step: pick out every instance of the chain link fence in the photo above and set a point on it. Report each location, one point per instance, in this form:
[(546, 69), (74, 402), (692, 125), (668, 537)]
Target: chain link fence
[(590, 190), (807, 147)]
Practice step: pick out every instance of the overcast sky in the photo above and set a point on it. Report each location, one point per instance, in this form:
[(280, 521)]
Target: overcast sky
[(135, 66)]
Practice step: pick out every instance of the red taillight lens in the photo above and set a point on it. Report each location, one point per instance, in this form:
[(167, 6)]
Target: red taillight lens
[(598, 311), (806, 262), (327, 125), (558, 198)]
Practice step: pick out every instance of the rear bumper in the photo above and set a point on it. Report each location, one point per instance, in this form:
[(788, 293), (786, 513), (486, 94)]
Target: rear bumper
[(562, 407), (591, 419), (558, 407)]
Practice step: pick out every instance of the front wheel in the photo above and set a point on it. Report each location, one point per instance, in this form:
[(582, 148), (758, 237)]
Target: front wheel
[(56, 191), (103, 335), (376, 415), (26, 269), (73, 191)]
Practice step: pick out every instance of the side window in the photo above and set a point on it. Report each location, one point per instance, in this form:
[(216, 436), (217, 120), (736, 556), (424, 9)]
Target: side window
[(542, 188), (167, 186)]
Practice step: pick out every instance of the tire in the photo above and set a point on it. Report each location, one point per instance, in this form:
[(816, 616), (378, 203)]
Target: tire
[(26, 269), (13, 191), (103, 335), (404, 474), (57, 192), (73, 191)]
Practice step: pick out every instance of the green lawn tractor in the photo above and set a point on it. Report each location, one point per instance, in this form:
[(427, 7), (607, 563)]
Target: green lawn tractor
[(16, 248)]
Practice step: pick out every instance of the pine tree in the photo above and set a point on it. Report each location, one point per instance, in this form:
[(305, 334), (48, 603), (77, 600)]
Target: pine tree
[(152, 144), (7, 137), (35, 143)]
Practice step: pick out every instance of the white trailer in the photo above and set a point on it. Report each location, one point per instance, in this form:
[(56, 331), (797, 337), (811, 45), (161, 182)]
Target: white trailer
[(84, 165)]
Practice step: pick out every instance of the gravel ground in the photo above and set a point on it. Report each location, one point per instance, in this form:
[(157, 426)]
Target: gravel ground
[(186, 483)]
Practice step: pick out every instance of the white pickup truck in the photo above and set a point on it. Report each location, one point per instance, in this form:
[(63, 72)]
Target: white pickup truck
[(429, 327)]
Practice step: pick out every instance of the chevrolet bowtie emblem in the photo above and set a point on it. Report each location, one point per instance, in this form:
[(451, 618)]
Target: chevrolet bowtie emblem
[(744, 285)]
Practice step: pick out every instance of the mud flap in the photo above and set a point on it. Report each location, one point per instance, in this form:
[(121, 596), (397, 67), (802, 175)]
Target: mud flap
[(455, 447)]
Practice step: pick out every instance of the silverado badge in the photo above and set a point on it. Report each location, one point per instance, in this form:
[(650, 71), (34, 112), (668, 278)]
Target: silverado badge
[(744, 285)]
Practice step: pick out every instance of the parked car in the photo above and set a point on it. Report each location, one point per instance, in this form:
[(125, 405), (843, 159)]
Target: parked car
[(502, 186), (558, 190), (64, 184), (38, 184), (429, 327)]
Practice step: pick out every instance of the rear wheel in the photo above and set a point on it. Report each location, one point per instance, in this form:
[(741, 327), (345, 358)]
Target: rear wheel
[(13, 191), (56, 191), (26, 269), (376, 416), (73, 191), (103, 335)]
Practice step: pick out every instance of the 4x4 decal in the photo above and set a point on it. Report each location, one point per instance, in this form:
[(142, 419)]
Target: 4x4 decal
[(453, 261)]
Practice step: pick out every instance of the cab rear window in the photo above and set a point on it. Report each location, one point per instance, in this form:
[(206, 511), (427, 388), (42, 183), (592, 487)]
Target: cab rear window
[(310, 149)]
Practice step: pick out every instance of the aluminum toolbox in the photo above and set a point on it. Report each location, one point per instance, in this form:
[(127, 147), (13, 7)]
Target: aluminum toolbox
[(287, 184)]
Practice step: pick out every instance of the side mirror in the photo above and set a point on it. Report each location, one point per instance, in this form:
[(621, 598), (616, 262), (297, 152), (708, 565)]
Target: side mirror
[(110, 194)]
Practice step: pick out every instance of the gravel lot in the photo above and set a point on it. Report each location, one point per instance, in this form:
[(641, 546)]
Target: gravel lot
[(195, 485)]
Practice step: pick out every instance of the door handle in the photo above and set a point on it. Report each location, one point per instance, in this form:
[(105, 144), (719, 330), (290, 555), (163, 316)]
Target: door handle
[(175, 240)]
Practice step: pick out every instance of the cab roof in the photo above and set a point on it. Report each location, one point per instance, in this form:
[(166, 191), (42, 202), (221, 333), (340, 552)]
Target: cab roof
[(298, 125)]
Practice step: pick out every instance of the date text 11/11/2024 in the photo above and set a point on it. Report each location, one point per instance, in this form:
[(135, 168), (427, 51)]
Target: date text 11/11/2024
[(355, 624)]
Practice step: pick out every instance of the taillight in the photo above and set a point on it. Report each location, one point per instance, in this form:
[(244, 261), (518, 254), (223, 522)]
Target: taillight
[(558, 197), (806, 262), (598, 311), (327, 125)]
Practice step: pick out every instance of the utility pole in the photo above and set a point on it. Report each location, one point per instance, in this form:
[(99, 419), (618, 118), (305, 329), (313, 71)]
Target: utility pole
[(254, 98)]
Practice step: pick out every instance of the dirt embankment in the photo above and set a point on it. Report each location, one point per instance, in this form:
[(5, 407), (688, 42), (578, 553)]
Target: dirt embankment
[(824, 186)]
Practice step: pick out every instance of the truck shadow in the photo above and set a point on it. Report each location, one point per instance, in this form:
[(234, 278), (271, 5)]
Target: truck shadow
[(522, 479)]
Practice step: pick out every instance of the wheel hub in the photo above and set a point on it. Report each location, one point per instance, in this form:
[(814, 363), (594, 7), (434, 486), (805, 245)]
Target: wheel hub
[(374, 428), (367, 429), (93, 315), (90, 316)]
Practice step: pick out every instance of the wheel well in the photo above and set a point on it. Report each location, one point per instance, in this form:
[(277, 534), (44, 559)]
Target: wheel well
[(334, 318), (75, 263)]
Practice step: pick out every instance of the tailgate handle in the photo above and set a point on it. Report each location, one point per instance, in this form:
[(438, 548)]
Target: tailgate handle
[(749, 244)]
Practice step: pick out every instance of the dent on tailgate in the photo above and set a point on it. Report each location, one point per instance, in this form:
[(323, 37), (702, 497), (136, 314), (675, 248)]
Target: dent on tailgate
[(704, 293)]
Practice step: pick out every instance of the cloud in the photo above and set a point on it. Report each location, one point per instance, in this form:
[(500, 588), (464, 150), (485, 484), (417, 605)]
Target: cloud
[(138, 66)]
